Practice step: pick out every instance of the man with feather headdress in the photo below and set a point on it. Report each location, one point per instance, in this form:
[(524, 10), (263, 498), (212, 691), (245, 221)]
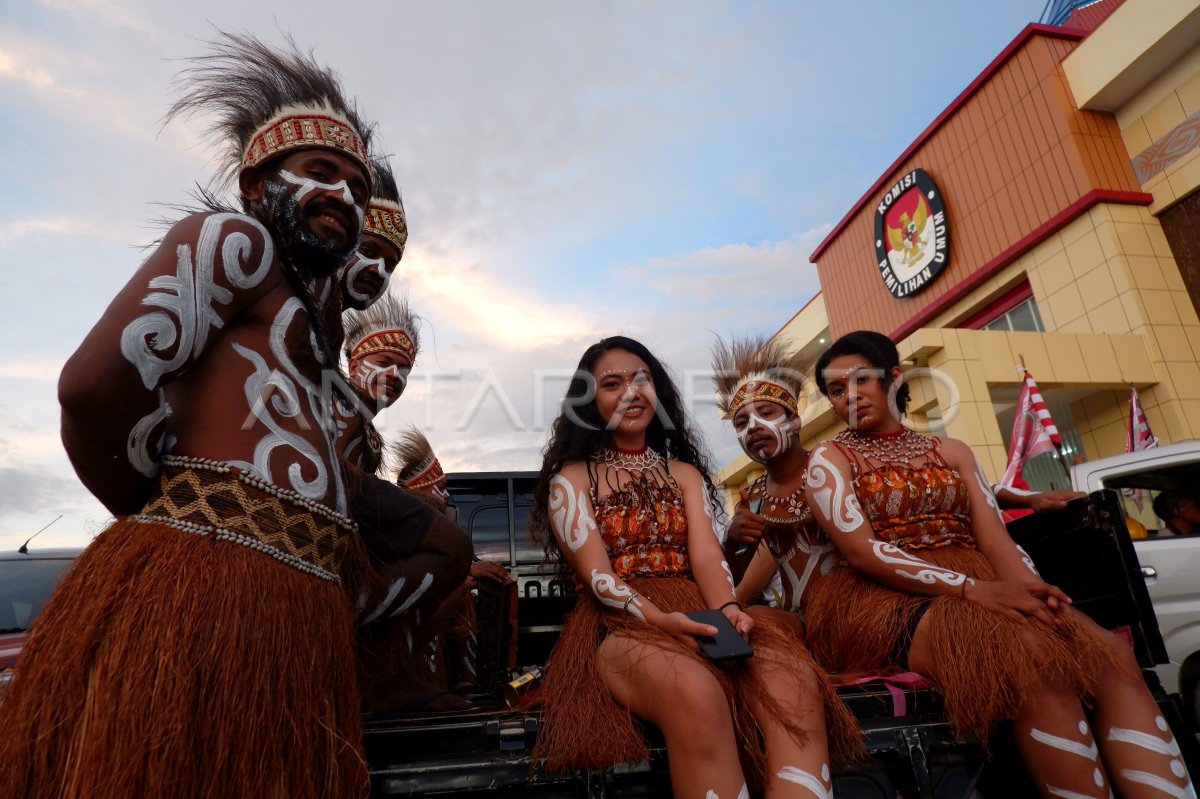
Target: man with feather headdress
[(202, 646), (758, 386)]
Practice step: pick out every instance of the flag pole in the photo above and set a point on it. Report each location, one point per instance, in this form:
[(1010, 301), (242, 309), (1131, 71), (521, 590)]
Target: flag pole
[(1062, 458)]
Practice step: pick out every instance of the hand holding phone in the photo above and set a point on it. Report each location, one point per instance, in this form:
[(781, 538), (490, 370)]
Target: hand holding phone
[(726, 644)]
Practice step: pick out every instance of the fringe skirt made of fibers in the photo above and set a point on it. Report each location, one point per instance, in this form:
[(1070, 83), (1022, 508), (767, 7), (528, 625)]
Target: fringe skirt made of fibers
[(585, 728), (987, 662), (177, 662)]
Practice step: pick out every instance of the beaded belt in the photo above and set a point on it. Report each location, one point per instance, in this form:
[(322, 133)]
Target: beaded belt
[(215, 499)]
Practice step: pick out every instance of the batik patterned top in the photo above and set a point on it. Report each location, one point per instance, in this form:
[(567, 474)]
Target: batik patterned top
[(644, 528), (913, 507)]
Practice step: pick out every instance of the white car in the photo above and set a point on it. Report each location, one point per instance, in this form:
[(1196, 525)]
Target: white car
[(1170, 563)]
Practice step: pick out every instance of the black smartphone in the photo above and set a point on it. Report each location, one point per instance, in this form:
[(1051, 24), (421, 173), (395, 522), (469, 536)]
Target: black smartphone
[(727, 644)]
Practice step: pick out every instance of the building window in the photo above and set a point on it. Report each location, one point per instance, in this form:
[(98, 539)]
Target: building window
[(1023, 316), (1015, 309)]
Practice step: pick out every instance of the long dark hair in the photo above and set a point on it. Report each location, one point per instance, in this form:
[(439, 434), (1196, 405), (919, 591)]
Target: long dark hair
[(879, 350), (579, 431)]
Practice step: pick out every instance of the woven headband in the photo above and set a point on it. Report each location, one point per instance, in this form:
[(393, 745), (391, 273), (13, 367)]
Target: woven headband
[(755, 389), (305, 129), (392, 340), (386, 219), (431, 476)]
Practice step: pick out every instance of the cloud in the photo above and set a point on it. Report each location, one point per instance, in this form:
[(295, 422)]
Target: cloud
[(31, 370), (483, 306), (29, 491), (14, 230)]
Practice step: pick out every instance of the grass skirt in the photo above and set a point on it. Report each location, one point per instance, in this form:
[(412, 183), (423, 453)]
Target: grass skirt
[(585, 727), (178, 664), (987, 661)]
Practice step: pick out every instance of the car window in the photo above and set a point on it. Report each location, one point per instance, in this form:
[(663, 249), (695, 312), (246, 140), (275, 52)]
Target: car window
[(488, 528), (1139, 489), (25, 585), (529, 549)]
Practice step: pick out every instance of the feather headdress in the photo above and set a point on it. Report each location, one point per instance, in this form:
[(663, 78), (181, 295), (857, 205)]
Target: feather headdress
[(417, 468), (385, 214), (387, 325), (266, 102), (756, 369)]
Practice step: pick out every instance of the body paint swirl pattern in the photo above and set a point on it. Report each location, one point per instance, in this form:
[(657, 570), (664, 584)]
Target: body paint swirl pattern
[(616, 594), (831, 493), (915, 568), (569, 513)]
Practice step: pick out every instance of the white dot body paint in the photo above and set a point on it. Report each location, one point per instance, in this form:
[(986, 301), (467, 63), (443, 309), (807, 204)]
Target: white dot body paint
[(832, 495), (569, 513), (915, 568), (1160, 784), (615, 594), (804, 779), (1098, 778)]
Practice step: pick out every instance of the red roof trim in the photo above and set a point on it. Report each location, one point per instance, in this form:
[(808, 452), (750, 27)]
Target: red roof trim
[(1030, 30), (1031, 240), (1001, 305)]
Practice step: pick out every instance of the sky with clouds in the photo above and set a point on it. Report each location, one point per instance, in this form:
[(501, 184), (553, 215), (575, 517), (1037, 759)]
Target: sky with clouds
[(570, 170)]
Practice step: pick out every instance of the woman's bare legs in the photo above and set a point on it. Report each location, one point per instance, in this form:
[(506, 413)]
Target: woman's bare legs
[(1052, 733), (681, 698), (1137, 745), (793, 770)]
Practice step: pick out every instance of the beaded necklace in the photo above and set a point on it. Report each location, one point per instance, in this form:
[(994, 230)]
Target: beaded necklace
[(629, 460), (903, 446), (794, 504)]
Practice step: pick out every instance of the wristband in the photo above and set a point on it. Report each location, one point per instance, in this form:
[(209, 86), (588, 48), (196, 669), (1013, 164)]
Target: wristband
[(625, 604), (731, 602)]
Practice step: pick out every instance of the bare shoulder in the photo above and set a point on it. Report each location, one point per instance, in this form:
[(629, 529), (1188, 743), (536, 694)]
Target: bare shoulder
[(684, 472), (237, 248), (956, 452), (827, 454), (573, 472)]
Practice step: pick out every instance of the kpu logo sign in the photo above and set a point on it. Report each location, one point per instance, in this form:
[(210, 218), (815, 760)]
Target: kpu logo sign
[(911, 242)]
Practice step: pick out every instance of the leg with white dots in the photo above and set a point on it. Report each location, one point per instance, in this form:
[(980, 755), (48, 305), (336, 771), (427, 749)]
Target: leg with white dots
[(1141, 754)]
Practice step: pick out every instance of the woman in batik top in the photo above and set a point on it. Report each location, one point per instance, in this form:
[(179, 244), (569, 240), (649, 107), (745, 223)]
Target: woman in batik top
[(929, 580), (626, 507)]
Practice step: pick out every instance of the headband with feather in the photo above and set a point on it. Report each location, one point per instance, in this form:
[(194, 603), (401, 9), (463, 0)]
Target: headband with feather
[(755, 369), (267, 102), (385, 214), (388, 325), (418, 468)]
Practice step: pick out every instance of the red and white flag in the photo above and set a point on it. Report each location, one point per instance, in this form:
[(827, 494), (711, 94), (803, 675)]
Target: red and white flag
[(1033, 431), (1137, 437)]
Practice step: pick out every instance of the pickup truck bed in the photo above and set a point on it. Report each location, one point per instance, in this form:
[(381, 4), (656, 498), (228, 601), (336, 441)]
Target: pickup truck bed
[(1084, 548)]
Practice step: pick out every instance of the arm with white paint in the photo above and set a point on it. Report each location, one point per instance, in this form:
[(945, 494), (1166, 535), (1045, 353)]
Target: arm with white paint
[(987, 525), (710, 569), (830, 493), (208, 269), (573, 523)]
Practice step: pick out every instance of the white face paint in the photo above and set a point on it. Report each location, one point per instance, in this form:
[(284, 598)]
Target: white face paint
[(821, 788), (616, 594), (781, 430), (361, 264), (373, 376), (915, 568), (570, 513), (832, 495), (308, 185)]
